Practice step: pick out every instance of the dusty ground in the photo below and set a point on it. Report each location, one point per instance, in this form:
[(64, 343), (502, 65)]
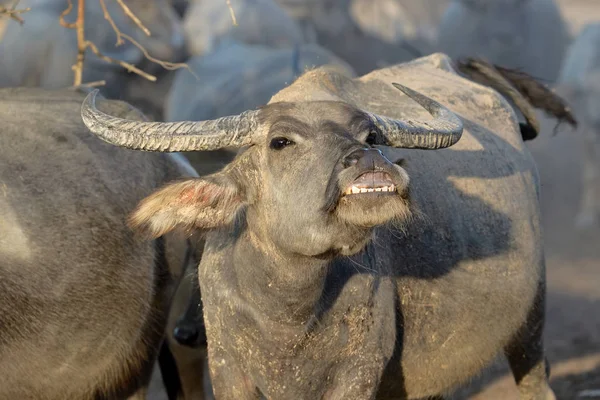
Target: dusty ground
[(573, 312)]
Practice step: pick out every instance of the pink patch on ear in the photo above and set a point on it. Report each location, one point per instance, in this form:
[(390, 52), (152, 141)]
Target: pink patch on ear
[(197, 194), (188, 196)]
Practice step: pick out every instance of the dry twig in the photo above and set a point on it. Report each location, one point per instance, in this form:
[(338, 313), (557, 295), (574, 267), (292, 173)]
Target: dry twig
[(132, 16), (13, 13), (165, 64), (83, 44), (64, 14), (94, 84), (232, 13), (111, 22), (127, 66)]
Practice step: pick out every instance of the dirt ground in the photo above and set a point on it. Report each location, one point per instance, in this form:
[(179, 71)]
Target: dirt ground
[(572, 337)]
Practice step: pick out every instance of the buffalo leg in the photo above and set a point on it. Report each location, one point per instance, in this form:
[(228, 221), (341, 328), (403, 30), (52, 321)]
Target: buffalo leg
[(169, 372), (525, 354)]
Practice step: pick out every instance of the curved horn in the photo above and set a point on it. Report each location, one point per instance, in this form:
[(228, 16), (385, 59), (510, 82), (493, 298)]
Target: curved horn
[(442, 132), (234, 131)]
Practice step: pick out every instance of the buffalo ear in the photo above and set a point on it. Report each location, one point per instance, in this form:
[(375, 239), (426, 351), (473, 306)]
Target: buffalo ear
[(201, 203)]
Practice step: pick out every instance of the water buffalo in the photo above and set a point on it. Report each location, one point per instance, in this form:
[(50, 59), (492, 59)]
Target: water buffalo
[(344, 258), (529, 35), (369, 34), (259, 22), (579, 81), (397, 20), (83, 305)]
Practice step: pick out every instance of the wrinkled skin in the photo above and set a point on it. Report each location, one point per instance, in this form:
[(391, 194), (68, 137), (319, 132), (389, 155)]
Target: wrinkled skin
[(312, 293), (580, 82), (83, 305)]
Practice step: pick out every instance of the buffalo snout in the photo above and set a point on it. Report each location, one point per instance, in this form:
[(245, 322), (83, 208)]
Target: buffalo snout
[(367, 159)]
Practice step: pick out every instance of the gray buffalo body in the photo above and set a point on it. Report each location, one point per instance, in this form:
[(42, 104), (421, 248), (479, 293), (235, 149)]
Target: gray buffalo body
[(83, 305), (334, 271), (580, 82), (530, 35)]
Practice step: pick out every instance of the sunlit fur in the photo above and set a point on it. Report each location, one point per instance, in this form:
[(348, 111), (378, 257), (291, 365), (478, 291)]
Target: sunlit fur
[(187, 205)]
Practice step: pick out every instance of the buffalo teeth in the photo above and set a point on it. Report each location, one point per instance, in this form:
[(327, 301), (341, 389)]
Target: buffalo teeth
[(355, 190)]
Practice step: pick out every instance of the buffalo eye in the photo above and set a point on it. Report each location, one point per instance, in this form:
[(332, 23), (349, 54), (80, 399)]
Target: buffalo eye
[(279, 143)]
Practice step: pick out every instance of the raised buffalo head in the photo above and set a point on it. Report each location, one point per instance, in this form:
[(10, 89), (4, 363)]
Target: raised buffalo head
[(310, 183)]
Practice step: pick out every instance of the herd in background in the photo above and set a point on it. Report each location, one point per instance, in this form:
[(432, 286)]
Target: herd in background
[(238, 68), (241, 67)]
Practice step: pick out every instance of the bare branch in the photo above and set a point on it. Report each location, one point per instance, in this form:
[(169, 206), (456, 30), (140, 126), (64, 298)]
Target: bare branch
[(64, 14), (133, 17), (111, 22), (165, 64), (232, 13), (94, 84), (90, 84), (13, 13), (81, 42), (127, 66)]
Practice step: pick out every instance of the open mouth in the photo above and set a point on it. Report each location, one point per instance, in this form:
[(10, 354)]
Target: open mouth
[(372, 182)]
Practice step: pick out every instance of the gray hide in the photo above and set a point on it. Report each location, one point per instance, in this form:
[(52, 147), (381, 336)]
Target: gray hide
[(580, 82), (233, 78), (82, 303), (530, 35), (41, 51), (261, 22), (369, 34), (310, 292)]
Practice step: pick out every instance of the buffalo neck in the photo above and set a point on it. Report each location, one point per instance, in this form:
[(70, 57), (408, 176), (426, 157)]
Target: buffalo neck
[(285, 288)]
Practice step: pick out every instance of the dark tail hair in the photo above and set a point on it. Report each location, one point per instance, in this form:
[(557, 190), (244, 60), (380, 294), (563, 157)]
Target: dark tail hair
[(525, 91)]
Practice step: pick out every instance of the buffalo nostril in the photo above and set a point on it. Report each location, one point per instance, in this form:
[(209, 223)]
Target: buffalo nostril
[(400, 162), (185, 335), (350, 161), (352, 158)]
